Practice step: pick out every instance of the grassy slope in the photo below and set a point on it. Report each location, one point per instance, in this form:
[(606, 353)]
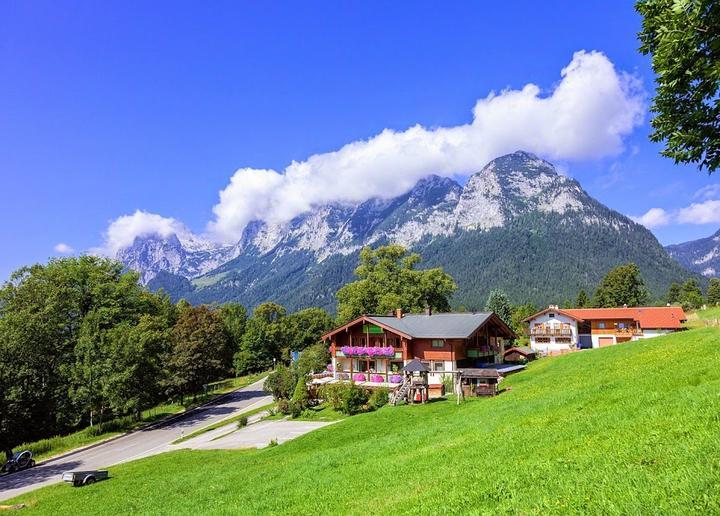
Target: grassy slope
[(703, 318), (632, 428)]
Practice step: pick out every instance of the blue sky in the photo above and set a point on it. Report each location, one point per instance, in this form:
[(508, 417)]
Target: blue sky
[(110, 107)]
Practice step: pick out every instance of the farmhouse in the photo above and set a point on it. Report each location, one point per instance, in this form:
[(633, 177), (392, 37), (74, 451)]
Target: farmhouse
[(556, 330), (375, 348)]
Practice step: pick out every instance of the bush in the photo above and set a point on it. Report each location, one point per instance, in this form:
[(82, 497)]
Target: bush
[(296, 409), (333, 395), (281, 383), (283, 406), (300, 398), (272, 443), (242, 422), (378, 398), (354, 399)]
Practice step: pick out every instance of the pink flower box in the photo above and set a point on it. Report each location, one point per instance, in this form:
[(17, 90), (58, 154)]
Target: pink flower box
[(377, 378), (359, 377), (396, 378), (363, 351)]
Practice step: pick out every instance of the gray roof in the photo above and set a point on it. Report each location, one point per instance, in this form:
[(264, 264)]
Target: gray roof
[(415, 366), (439, 326)]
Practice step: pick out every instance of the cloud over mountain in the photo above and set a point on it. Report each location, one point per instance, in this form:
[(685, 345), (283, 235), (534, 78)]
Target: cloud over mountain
[(585, 116)]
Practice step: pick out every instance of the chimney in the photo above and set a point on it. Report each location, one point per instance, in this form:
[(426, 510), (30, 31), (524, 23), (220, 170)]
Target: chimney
[(398, 313), (428, 310)]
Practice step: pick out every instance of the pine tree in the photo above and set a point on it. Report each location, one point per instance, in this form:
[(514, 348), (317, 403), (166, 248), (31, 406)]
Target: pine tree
[(674, 293), (498, 302), (713, 293), (582, 300)]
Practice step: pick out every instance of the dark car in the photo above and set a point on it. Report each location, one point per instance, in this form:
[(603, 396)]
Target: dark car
[(19, 461)]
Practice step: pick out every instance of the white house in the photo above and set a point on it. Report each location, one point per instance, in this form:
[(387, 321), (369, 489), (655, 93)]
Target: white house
[(556, 330)]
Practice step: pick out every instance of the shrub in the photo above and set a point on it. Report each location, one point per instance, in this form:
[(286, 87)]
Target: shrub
[(301, 398), (272, 443), (296, 409), (354, 399), (378, 398), (283, 406), (281, 383), (359, 377), (333, 394), (242, 422)]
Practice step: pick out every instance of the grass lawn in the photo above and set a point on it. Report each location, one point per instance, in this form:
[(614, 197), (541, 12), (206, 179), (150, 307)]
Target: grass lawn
[(46, 448), (703, 318), (633, 428)]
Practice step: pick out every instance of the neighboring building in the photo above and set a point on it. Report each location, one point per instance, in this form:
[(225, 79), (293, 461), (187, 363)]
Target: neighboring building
[(519, 354), (557, 330), (375, 348)]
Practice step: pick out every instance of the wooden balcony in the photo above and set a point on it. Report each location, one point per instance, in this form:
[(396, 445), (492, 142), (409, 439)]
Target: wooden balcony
[(550, 332)]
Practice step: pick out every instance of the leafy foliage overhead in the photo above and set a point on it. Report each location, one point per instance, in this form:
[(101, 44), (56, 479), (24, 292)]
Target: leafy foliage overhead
[(683, 37)]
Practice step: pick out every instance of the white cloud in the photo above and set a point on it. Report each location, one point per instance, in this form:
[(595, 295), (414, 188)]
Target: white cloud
[(585, 116), (708, 192), (63, 248), (122, 231), (707, 212), (653, 218)]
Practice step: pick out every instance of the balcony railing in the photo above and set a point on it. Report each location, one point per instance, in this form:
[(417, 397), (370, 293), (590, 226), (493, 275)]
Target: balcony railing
[(551, 332)]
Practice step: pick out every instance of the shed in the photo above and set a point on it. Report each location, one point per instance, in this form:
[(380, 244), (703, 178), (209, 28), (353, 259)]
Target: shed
[(519, 354), (479, 381)]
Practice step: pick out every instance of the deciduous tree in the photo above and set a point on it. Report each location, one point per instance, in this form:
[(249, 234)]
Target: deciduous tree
[(683, 38), (623, 285)]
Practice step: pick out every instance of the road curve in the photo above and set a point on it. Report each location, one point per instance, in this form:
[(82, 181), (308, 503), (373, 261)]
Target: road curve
[(141, 443)]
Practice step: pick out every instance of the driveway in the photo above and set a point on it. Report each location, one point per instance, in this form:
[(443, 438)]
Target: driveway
[(142, 443), (257, 435)]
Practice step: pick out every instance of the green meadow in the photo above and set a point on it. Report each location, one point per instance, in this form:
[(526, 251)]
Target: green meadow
[(633, 428)]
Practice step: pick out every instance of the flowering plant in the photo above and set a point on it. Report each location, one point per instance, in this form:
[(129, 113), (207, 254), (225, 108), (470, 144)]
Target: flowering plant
[(396, 378), (329, 368), (368, 351), (359, 377), (377, 378)]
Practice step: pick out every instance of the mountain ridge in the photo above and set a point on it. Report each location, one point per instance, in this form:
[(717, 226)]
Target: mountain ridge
[(701, 255), (516, 224)]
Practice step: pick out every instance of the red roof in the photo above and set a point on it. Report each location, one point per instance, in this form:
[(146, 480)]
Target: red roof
[(649, 317)]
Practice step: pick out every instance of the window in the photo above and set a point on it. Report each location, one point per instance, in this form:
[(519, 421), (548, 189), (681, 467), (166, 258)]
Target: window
[(438, 343), (562, 340), (439, 366), (551, 316), (427, 364), (542, 340), (621, 325), (601, 325)]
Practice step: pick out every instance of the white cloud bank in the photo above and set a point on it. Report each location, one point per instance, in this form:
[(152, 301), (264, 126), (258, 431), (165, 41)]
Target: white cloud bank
[(585, 116), (653, 218), (707, 212), (63, 248), (122, 231)]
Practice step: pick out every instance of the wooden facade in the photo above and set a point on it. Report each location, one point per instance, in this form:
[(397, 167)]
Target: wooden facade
[(443, 351)]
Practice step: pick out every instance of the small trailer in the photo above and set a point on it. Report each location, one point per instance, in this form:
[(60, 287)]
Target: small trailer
[(84, 478)]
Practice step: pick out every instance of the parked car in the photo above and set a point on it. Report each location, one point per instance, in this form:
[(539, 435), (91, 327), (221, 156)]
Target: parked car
[(84, 478), (18, 461)]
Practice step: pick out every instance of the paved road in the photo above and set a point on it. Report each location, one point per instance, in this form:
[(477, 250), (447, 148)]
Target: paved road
[(142, 443)]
